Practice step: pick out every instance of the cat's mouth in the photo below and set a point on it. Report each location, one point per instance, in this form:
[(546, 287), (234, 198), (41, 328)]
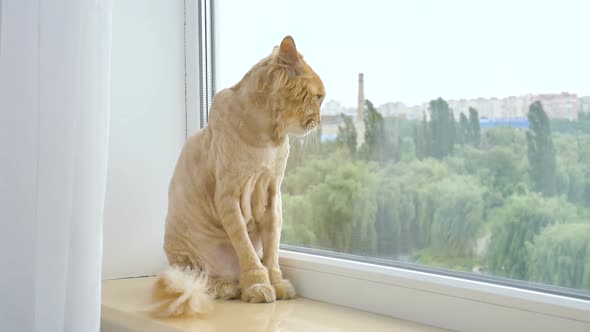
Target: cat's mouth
[(303, 127)]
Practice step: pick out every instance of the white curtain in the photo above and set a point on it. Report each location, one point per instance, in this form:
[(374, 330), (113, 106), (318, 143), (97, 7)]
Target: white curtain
[(54, 116)]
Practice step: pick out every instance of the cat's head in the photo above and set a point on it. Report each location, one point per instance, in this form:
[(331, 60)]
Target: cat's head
[(293, 90), (298, 91), (287, 91)]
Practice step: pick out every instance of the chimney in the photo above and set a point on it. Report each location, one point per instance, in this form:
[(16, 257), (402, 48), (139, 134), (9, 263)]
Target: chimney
[(361, 105)]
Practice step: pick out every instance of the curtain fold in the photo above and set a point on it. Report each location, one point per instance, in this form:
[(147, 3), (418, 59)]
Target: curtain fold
[(54, 117)]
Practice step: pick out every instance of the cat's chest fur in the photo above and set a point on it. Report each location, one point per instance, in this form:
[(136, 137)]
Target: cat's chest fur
[(255, 174)]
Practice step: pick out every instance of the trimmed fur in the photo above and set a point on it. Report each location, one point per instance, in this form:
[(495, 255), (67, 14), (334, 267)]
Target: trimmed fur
[(181, 292), (224, 199)]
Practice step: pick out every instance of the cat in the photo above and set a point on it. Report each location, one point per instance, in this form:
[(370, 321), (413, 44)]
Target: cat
[(224, 215)]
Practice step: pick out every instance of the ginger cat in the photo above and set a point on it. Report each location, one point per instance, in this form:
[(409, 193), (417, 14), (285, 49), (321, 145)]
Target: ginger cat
[(224, 216)]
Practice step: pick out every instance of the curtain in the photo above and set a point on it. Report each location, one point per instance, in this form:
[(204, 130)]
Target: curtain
[(54, 116)]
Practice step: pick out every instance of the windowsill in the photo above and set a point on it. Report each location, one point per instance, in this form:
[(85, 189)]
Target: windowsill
[(124, 299), (432, 299)]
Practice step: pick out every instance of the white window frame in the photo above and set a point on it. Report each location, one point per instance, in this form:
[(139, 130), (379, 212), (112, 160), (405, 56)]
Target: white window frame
[(192, 84), (199, 62), (432, 299), (427, 298)]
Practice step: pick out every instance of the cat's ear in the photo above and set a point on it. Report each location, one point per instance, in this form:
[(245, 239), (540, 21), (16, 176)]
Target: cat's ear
[(288, 52)]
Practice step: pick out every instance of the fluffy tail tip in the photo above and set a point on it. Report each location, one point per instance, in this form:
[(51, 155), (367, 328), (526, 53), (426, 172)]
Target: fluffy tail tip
[(181, 292)]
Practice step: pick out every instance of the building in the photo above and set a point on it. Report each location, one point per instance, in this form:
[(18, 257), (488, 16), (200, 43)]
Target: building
[(584, 105), (557, 106), (560, 106)]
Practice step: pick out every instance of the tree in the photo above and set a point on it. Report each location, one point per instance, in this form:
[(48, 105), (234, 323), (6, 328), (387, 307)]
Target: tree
[(560, 256), (474, 128), (392, 142), (503, 136), (581, 126), (499, 168), (452, 129), (442, 129), (541, 154), (463, 130), (517, 223), (433, 210), (457, 217), (297, 219), (309, 173), (347, 137), (382, 142), (343, 208), (395, 212), (374, 132), (421, 139)]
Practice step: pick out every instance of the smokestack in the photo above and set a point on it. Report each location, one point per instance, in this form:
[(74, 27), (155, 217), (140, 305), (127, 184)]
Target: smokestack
[(361, 106)]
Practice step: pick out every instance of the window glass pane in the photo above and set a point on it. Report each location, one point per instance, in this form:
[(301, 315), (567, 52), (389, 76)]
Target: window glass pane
[(470, 148)]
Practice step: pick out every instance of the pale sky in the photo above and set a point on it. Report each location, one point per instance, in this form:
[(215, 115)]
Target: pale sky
[(416, 50)]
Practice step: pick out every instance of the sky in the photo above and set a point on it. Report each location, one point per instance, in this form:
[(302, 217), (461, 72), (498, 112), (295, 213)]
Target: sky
[(415, 51)]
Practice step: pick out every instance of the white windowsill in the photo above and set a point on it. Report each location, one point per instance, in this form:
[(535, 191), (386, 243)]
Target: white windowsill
[(446, 302), (427, 299), (123, 301)]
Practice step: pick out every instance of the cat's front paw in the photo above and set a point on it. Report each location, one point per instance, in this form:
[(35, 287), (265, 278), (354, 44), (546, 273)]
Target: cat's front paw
[(284, 290), (259, 293), (224, 289)]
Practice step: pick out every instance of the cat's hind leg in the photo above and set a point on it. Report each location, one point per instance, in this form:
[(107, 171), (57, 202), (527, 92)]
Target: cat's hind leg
[(224, 289)]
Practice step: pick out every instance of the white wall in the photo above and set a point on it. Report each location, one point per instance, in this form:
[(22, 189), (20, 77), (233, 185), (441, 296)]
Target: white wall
[(148, 128)]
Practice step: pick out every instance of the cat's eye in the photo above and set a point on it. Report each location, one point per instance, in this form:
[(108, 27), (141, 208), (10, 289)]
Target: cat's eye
[(319, 96)]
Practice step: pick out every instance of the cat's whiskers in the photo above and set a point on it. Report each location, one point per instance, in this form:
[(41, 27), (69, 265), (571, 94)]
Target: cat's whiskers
[(302, 150), (318, 138), (296, 148)]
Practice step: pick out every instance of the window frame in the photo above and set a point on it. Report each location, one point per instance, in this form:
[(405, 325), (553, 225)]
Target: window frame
[(424, 297), (432, 299), (199, 62)]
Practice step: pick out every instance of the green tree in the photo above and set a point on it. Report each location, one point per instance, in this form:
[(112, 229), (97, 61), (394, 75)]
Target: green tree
[(419, 178), (463, 130), (498, 168), (382, 138), (458, 216), (504, 136), (452, 129), (421, 139), (310, 172), (343, 208), (517, 223), (297, 218), (347, 136), (442, 129), (395, 212), (540, 151), (373, 147), (392, 141), (573, 171), (581, 126), (474, 128), (560, 256), (434, 210)]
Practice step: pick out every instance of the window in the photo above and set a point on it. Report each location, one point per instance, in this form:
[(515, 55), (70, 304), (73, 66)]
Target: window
[(458, 162)]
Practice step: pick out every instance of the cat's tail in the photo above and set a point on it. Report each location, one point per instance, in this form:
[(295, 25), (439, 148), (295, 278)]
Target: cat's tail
[(181, 292)]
